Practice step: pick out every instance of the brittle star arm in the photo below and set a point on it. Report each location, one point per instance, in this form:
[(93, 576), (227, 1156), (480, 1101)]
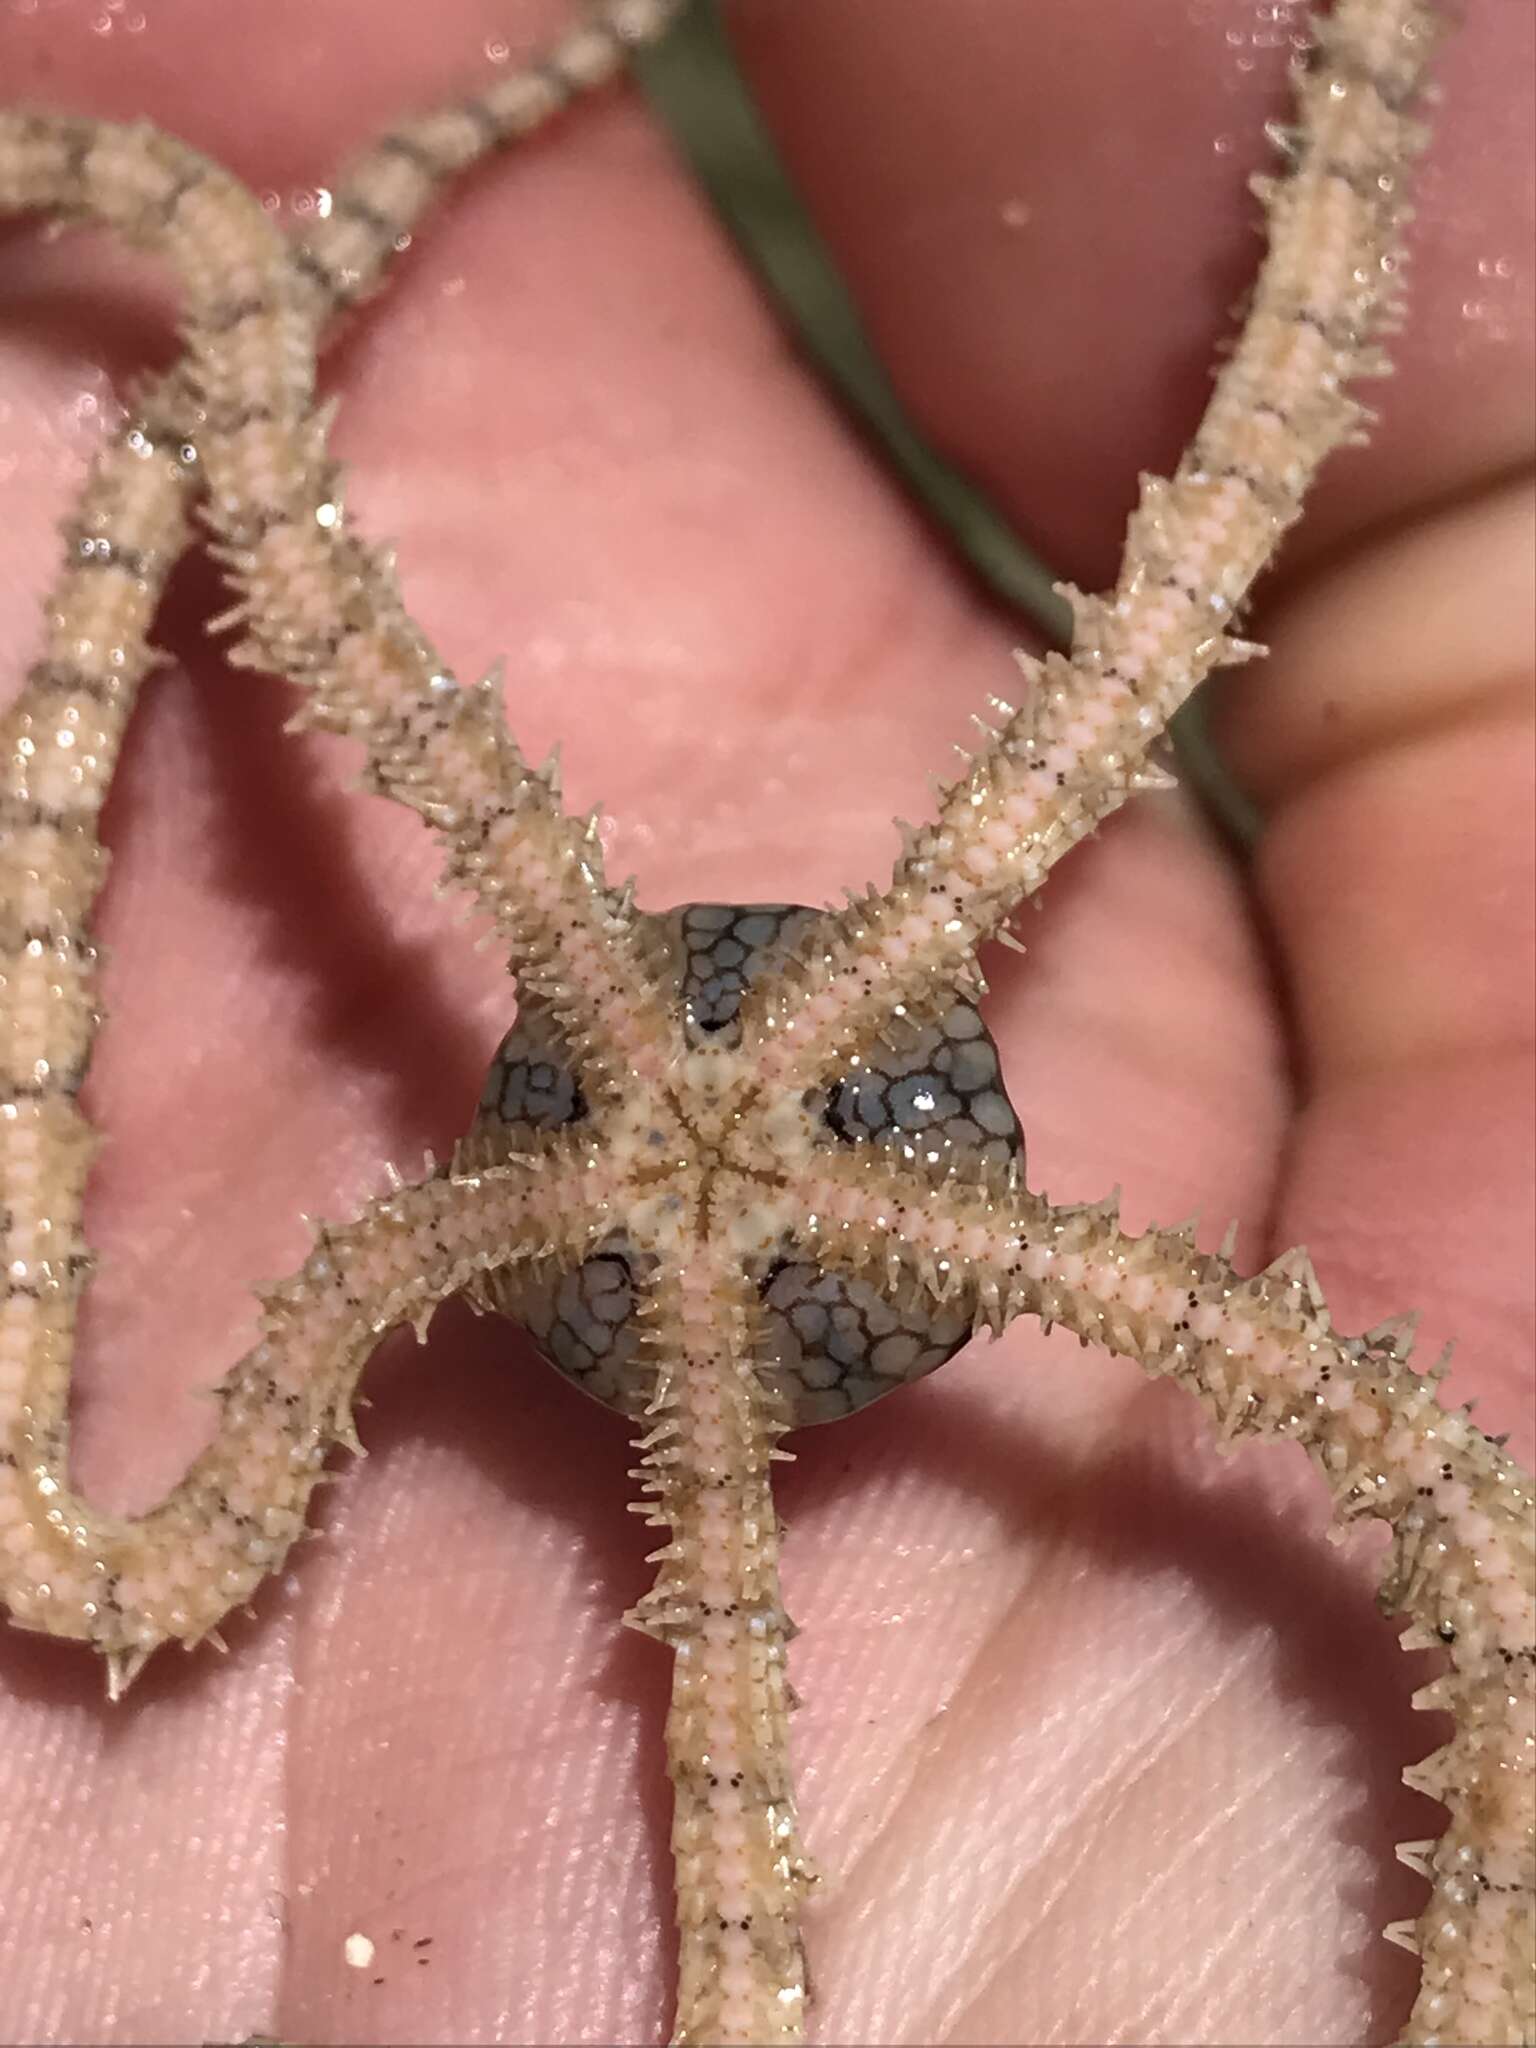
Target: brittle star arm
[(132, 518), (383, 193), (126, 1586), (1265, 1362), (1080, 745), (62, 735), (741, 1872), (319, 606)]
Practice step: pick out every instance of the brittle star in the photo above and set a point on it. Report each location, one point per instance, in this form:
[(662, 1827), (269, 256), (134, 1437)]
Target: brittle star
[(974, 1240)]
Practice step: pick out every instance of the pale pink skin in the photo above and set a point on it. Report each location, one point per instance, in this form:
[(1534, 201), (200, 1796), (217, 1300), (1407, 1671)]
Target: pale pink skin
[(1101, 1740)]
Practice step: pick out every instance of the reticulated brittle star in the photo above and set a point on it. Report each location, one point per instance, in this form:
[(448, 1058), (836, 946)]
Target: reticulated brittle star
[(603, 965)]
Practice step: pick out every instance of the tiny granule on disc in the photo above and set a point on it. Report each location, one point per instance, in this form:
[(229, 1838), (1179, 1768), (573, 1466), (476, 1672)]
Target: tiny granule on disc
[(358, 1950)]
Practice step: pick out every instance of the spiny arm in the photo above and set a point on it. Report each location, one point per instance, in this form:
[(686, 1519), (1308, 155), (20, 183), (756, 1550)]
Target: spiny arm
[(61, 1566), (741, 1872), (319, 606), (1080, 745), (63, 733), (1264, 1360), (382, 193), (127, 1586)]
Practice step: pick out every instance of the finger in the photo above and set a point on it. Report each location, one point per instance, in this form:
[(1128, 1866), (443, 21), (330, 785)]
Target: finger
[(1392, 748), (1045, 218)]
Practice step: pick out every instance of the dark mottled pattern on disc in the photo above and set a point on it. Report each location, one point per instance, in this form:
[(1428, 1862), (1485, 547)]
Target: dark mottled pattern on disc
[(942, 1092), (584, 1324), (834, 1343), (721, 948)]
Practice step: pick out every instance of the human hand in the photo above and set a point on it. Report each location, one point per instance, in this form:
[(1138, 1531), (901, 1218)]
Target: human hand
[(1101, 1741)]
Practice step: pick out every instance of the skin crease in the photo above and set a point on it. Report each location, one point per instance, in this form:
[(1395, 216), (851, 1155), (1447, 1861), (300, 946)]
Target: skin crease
[(1101, 1740)]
